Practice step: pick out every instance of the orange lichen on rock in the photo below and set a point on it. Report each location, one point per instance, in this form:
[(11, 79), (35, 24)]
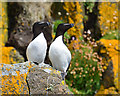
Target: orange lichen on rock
[(75, 17), (10, 56), (5, 54), (15, 84), (108, 19), (109, 91), (113, 47), (4, 51), (115, 69), (3, 22)]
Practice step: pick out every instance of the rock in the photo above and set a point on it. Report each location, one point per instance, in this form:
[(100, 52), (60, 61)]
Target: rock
[(111, 91), (108, 76), (20, 41), (107, 49), (28, 78), (116, 68), (10, 55), (12, 69), (46, 80), (14, 78)]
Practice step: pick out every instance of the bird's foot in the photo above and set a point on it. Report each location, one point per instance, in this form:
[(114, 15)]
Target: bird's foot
[(63, 74), (35, 63)]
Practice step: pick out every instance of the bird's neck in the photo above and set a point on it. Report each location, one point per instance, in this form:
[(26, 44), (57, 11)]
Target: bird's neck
[(59, 39), (38, 35), (59, 34)]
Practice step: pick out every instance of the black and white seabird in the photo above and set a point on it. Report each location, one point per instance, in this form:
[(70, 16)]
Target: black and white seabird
[(36, 50), (59, 54)]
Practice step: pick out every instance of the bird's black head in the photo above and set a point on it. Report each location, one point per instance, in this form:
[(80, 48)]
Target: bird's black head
[(62, 28), (39, 27)]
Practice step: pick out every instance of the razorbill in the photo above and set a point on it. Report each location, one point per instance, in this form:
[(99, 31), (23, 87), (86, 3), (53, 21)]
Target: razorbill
[(59, 54), (36, 50)]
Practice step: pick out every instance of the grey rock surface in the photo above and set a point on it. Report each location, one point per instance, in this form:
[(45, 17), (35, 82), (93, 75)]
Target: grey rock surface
[(41, 79), (14, 78), (108, 76), (21, 67), (46, 80)]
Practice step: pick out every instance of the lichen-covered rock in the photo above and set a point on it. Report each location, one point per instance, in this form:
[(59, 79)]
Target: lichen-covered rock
[(116, 68), (10, 55), (109, 50), (111, 91), (14, 78), (28, 78), (108, 76), (43, 79)]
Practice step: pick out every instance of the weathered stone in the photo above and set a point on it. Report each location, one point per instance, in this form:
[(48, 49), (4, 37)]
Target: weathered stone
[(10, 55), (14, 78), (28, 78), (12, 68), (46, 80), (16, 56), (108, 76)]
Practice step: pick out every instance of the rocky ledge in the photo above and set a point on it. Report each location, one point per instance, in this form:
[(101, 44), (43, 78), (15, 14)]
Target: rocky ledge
[(28, 78)]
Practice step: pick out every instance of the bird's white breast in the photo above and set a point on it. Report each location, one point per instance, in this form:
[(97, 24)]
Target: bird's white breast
[(36, 50), (59, 55)]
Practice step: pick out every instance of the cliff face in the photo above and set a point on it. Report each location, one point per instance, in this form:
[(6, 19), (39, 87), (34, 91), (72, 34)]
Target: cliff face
[(28, 78), (110, 82)]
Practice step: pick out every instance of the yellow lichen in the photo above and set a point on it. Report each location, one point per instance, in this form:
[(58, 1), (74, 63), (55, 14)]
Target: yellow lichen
[(75, 16), (4, 51), (63, 82), (110, 90), (12, 84), (108, 17), (8, 56), (112, 47)]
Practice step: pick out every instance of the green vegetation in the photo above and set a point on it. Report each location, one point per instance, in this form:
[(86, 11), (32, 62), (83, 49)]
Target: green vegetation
[(111, 35), (66, 35), (56, 23), (89, 6), (85, 71)]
